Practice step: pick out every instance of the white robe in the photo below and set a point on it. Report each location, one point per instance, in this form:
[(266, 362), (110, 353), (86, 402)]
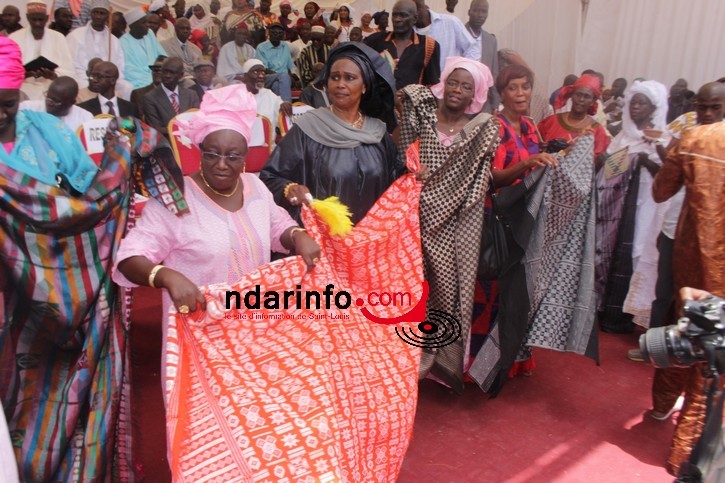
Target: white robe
[(85, 43), (53, 47), (74, 119), (228, 65)]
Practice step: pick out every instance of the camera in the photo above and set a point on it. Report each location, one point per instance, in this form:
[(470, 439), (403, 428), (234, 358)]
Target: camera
[(697, 336)]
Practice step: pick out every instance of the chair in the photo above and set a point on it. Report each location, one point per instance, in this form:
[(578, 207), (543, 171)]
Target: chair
[(91, 135), (285, 122), (260, 144), (187, 154)]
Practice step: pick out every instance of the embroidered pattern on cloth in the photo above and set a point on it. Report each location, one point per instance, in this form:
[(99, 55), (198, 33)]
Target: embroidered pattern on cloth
[(302, 399)]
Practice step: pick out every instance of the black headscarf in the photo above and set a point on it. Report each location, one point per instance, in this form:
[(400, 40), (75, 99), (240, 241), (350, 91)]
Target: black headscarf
[(378, 101)]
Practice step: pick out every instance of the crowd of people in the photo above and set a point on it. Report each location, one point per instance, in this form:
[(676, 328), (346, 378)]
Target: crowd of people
[(606, 207)]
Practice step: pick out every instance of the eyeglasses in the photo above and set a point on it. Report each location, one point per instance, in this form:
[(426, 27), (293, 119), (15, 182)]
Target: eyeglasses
[(464, 87), (51, 100), (155, 68), (216, 157)]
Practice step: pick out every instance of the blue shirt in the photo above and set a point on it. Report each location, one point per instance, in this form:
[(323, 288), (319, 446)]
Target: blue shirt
[(278, 59)]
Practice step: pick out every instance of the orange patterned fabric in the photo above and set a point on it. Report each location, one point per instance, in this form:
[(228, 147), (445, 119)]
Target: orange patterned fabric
[(302, 395)]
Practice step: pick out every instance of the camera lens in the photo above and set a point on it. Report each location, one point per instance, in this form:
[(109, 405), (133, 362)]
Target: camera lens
[(653, 345)]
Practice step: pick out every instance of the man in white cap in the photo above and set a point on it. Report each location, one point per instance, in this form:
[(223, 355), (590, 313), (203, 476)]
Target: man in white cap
[(268, 103), (140, 49), (35, 41), (316, 52), (91, 41)]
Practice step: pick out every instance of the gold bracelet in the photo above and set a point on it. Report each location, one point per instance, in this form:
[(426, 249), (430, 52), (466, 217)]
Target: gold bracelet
[(293, 231), (287, 188), (152, 275)]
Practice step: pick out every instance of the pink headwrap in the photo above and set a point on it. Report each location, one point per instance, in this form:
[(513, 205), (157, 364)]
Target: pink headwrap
[(12, 72), (482, 80), (589, 81), (231, 107)]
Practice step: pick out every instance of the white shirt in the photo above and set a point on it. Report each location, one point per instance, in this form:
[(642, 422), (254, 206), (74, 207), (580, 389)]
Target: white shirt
[(168, 94), (75, 117), (452, 36), (52, 46), (104, 105)]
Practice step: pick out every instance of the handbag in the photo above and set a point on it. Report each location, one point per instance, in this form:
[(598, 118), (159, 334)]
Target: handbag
[(494, 245)]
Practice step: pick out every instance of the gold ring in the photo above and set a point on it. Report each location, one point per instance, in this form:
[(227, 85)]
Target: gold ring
[(184, 309)]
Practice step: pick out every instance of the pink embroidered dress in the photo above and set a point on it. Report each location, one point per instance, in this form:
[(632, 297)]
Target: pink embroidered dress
[(210, 244)]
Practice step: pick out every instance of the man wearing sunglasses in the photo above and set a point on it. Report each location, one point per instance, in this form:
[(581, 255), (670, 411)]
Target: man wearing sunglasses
[(137, 94)]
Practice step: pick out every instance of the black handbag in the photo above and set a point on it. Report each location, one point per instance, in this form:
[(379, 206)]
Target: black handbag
[(494, 245)]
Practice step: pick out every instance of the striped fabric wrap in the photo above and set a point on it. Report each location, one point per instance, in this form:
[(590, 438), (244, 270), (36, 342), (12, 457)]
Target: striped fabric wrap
[(64, 324)]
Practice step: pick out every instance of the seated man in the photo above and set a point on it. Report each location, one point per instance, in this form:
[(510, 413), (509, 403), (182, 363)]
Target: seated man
[(137, 94), (95, 40), (234, 54), (268, 103), (277, 59), (103, 78), (315, 94), (316, 52), (140, 49), (169, 99), (179, 46), (60, 102), (205, 78), (37, 40)]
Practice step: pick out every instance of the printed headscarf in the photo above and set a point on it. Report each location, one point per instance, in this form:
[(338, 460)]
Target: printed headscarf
[(589, 81), (482, 79), (231, 107), (12, 71)]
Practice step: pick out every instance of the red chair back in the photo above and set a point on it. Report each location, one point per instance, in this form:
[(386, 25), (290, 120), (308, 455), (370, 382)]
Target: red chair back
[(260, 145), (91, 135), (187, 154)]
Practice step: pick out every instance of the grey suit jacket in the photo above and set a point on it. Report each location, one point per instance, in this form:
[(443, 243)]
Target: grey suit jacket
[(489, 57), (192, 57), (157, 107)]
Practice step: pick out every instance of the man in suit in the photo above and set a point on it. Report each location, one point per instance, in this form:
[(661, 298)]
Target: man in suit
[(477, 15), (169, 99), (102, 81), (179, 46), (205, 78), (137, 94)]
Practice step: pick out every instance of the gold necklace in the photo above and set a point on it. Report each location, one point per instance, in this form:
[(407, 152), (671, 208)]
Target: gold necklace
[(357, 123), (577, 125), (225, 195)]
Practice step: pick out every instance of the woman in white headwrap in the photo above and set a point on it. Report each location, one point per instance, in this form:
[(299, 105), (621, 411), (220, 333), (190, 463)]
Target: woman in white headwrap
[(629, 220), (344, 22)]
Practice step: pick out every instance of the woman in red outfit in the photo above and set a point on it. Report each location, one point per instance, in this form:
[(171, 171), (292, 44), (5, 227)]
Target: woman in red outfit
[(584, 94), (515, 157)]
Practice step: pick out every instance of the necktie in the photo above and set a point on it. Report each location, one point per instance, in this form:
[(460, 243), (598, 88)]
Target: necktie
[(174, 102), (111, 110)]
